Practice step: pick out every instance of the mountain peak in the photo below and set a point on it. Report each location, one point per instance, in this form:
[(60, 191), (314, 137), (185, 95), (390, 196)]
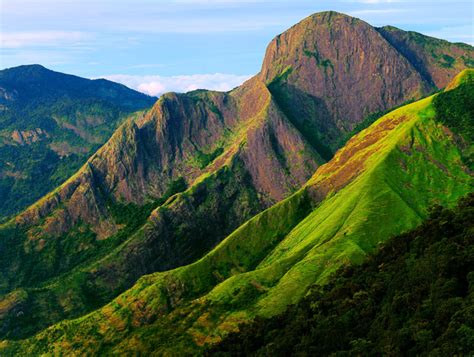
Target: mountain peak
[(34, 66), (328, 18), (41, 83), (328, 15), (25, 73)]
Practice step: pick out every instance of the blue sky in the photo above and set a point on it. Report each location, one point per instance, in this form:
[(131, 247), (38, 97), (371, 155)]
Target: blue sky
[(157, 46)]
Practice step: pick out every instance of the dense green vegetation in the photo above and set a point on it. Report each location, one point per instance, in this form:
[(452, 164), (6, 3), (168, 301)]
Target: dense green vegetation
[(38, 171), (47, 279), (414, 296), (134, 216), (204, 159), (455, 109), (78, 246), (92, 276)]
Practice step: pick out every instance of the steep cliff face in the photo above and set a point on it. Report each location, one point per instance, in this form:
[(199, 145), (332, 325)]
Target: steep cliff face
[(330, 71), (182, 136), (172, 182)]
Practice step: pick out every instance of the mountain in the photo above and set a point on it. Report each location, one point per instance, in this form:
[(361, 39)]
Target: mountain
[(380, 184), (174, 181), (425, 274), (50, 123), (330, 71)]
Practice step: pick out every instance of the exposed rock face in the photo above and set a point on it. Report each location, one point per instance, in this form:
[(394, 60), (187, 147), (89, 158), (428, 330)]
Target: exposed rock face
[(332, 70), (142, 157), (27, 137), (148, 152)]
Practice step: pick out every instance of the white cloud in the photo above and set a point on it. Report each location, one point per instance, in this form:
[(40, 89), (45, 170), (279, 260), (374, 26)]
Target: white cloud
[(376, 12), (156, 85), (455, 33), (41, 38)]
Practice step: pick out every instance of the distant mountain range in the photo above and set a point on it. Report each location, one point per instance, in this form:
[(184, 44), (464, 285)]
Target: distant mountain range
[(236, 203), (50, 123)]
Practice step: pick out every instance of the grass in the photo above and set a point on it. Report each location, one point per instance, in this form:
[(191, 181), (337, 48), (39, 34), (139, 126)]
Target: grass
[(204, 159)]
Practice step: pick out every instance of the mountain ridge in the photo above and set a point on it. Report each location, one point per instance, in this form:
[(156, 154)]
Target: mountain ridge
[(423, 274), (50, 123), (35, 78)]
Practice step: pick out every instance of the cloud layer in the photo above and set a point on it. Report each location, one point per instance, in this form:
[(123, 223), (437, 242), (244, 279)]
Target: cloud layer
[(156, 85), (40, 38)]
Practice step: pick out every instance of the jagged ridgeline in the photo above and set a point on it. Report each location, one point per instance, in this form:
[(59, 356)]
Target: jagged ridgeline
[(172, 183), (50, 124)]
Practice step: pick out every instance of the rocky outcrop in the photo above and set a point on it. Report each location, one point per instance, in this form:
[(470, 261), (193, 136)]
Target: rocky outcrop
[(27, 137), (331, 70)]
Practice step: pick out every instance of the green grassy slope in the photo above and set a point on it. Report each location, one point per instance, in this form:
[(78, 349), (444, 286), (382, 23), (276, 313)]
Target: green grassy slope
[(379, 185), (413, 297)]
